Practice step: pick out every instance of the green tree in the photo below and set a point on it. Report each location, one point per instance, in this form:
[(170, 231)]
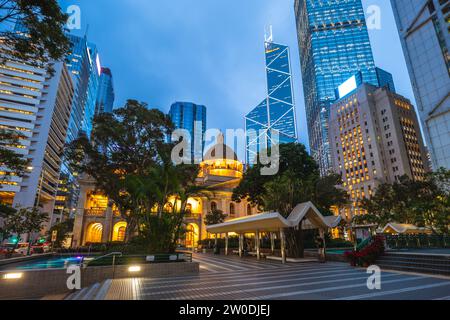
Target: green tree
[(130, 161), (63, 230), (214, 217), (14, 162), (297, 181), (24, 221), (425, 203), (44, 40)]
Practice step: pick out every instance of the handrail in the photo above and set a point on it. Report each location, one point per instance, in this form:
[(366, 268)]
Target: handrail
[(113, 254), (364, 244)]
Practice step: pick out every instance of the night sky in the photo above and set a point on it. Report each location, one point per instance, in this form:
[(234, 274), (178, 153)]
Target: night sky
[(209, 52)]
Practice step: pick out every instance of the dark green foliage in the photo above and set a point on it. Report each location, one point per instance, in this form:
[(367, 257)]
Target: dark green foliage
[(421, 203), (44, 40)]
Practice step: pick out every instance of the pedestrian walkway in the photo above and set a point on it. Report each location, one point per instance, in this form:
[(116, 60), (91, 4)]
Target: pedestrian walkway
[(217, 264), (230, 278)]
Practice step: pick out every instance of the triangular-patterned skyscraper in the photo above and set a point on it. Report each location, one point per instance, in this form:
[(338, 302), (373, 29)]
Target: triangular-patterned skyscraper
[(277, 111)]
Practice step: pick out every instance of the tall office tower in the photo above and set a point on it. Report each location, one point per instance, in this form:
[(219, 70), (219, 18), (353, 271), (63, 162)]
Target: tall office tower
[(424, 27), (191, 117), (375, 137), (37, 106), (105, 95), (276, 113), (334, 45), (84, 66), (94, 80)]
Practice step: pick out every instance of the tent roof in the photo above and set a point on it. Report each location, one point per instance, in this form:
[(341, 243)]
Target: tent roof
[(273, 221), (403, 228)]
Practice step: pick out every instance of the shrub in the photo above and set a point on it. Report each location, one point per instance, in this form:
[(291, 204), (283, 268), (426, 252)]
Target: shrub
[(367, 255)]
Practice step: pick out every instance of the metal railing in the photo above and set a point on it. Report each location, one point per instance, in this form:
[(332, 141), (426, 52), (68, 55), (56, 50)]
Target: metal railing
[(112, 254)]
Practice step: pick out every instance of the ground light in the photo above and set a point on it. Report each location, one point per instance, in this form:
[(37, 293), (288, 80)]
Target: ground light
[(12, 276), (134, 269)]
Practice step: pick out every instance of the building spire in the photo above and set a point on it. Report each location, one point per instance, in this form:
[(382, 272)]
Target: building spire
[(268, 34)]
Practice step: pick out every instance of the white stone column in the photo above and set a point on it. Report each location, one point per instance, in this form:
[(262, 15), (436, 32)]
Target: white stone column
[(258, 245), (226, 244), (283, 246), (241, 245), (272, 242)]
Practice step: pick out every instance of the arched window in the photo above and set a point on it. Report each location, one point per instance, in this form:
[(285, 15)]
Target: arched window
[(249, 210), (189, 208), (232, 209), (213, 206)]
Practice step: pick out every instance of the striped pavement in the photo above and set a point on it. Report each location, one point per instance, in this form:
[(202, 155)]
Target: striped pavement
[(232, 278)]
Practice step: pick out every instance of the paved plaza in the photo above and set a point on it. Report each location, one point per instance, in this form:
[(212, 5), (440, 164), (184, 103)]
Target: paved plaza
[(232, 278)]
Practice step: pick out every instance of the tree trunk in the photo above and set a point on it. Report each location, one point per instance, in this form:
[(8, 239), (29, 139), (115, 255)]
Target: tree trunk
[(295, 246)]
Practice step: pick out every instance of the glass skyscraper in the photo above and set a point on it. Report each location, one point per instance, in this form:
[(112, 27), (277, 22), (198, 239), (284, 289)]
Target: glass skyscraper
[(84, 66), (424, 28), (276, 113), (334, 45), (105, 95), (191, 117)]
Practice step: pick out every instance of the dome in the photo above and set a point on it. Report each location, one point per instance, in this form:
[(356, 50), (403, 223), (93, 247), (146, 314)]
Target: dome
[(220, 151), (221, 162)]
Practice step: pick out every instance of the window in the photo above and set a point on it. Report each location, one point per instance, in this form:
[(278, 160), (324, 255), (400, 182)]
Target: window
[(249, 210), (232, 209), (213, 206)]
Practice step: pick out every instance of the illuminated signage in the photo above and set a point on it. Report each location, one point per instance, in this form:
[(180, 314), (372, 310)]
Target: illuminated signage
[(347, 87)]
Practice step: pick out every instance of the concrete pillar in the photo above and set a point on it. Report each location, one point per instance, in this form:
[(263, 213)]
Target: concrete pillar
[(258, 245), (272, 242), (283, 246), (108, 226), (226, 244), (241, 245), (322, 235)]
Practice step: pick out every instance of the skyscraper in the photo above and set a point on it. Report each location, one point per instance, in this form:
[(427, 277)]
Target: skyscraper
[(276, 113), (105, 95), (191, 117), (37, 106), (84, 66), (375, 138), (425, 35), (334, 45)]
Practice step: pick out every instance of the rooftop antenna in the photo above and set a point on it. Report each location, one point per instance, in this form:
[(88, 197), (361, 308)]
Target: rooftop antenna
[(268, 34)]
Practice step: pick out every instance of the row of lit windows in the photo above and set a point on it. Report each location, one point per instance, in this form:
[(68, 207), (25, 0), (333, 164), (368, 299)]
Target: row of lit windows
[(16, 111)]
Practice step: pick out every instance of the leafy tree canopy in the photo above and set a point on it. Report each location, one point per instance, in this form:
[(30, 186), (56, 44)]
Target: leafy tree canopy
[(10, 159), (44, 40), (129, 159), (297, 181), (422, 203), (214, 217)]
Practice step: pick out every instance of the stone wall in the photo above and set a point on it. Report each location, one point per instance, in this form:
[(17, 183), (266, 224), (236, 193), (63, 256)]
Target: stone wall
[(36, 284)]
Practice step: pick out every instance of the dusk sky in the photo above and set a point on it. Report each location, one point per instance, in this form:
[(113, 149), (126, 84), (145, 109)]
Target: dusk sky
[(210, 52)]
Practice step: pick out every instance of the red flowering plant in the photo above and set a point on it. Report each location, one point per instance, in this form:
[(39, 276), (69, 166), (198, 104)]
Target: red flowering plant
[(368, 255)]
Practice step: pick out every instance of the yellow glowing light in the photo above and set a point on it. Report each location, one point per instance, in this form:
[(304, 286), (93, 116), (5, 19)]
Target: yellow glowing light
[(12, 276), (134, 269)]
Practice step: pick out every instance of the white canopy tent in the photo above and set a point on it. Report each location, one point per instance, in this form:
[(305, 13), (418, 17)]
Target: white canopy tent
[(305, 213)]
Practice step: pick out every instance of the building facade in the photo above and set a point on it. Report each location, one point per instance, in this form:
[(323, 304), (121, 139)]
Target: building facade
[(334, 45), (105, 94), (37, 106), (96, 221), (84, 66), (276, 113), (375, 138), (425, 35), (191, 117)]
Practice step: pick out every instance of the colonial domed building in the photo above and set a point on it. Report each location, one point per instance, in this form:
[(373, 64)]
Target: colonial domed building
[(97, 222)]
